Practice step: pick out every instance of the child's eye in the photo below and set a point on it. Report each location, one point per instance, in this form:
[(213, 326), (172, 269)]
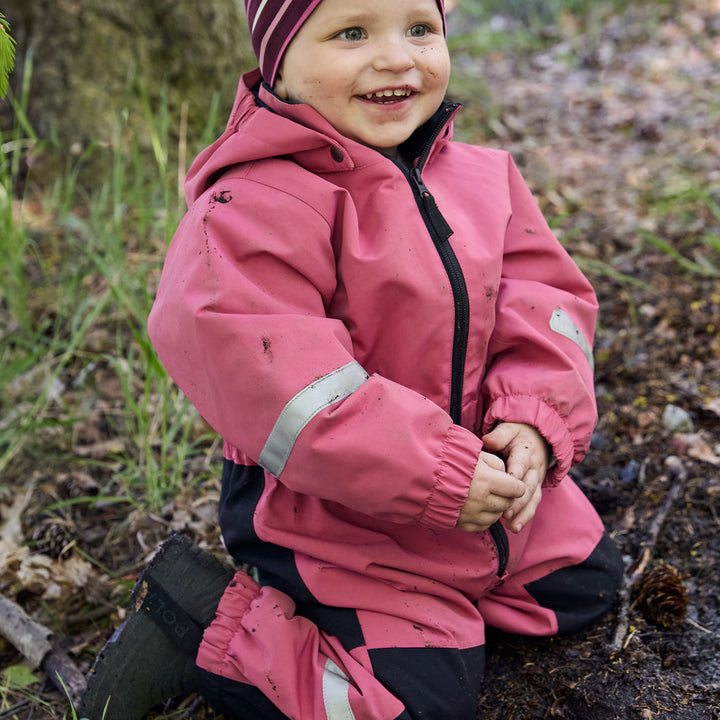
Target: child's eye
[(354, 34), (419, 30)]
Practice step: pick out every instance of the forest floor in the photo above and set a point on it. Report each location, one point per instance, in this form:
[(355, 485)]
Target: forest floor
[(617, 129), (624, 147)]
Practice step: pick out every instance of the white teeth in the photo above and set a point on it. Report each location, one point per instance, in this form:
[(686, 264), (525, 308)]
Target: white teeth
[(398, 92)]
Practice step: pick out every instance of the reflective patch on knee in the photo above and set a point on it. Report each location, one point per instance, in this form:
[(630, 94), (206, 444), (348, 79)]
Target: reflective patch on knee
[(581, 594), (335, 686)]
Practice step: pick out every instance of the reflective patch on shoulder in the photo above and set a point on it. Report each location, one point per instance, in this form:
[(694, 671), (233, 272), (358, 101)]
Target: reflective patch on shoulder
[(311, 400), (563, 324)]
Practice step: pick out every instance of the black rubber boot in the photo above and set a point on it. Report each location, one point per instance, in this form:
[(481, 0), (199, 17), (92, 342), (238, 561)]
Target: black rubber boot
[(151, 657)]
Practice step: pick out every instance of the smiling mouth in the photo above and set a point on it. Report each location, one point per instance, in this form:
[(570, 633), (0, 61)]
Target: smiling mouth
[(385, 97)]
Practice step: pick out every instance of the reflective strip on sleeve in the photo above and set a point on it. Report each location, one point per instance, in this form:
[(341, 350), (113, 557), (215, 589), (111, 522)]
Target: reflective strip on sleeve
[(334, 386), (335, 693), (563, 324)]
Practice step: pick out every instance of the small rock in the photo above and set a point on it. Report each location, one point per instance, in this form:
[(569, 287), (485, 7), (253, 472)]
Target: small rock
[(676, 466), (631, 472), (598, 441), (676, 420)]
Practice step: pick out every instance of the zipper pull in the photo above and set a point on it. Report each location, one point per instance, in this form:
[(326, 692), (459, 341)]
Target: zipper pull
[(436, 218)]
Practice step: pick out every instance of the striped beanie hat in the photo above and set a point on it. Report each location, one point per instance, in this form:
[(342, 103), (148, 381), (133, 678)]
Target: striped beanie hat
[(274, 23)]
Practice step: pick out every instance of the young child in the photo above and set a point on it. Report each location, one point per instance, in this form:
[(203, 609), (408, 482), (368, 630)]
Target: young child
[(397, 353)]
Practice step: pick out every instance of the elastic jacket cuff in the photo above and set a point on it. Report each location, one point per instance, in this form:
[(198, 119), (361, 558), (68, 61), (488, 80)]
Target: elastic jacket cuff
[(452, 480)]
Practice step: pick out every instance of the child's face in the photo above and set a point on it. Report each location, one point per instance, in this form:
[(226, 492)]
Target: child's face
[(374, 69)]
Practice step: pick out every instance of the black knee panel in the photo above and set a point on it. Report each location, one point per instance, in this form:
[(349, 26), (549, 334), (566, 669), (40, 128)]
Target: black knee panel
[(432, 682), (581, 594), (235, 700)]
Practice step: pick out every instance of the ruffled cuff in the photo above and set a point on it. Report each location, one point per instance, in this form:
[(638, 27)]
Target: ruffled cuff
[(235, 603)]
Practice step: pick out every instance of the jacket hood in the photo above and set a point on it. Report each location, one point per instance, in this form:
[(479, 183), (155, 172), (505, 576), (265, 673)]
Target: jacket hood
[(262, 126)]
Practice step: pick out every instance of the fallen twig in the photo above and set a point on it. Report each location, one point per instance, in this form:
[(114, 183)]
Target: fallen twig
[(14, 710), (631, 579), (40, 647)]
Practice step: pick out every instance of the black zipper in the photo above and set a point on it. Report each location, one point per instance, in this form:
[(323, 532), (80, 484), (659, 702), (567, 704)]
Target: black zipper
[(440, 232), (499, 535)]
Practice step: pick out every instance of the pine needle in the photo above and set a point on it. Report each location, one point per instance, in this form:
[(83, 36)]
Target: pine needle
[(7, 55)]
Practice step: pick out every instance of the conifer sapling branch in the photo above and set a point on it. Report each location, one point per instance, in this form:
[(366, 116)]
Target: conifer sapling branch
[(7, 55)]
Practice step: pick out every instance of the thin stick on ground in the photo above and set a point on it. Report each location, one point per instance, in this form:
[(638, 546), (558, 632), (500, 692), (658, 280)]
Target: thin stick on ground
[(632, 578), (40, 647)]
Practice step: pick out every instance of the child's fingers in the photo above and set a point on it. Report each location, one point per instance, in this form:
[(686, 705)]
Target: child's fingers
[(523, 509), (490, 478), (526, 454), (498, 438), (493, 461), (492, 491), (492, 483), (532, 481), (508, 486), (479, 524), (519, 461), (527, 513), (521, 445), (478, 514), (497, 499)]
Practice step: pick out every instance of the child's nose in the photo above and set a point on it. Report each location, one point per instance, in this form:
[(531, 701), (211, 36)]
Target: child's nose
[(393, 54)]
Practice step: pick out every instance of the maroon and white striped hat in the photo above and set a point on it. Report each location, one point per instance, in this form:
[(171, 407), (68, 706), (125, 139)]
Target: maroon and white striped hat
[(274, 23)]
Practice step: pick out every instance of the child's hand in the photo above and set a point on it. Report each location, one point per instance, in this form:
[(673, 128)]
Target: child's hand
[(492, 492), (527, 456)]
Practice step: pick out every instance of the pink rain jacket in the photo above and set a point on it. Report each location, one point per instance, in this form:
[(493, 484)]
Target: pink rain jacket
[(353, 326)]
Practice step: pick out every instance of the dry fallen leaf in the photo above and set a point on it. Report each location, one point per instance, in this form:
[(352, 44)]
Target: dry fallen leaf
[(66, 583), (695, 446), (713, 406)]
